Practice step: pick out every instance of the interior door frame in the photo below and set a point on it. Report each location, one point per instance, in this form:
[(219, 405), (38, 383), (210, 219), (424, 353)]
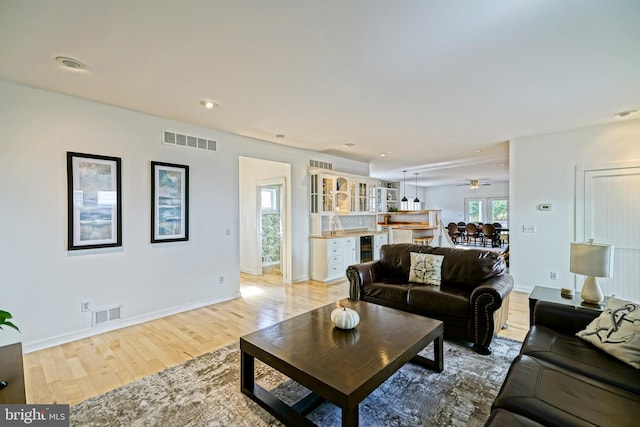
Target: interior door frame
[(282, 181)]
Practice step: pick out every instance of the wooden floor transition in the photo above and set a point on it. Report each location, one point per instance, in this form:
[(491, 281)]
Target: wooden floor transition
[(73, 372)]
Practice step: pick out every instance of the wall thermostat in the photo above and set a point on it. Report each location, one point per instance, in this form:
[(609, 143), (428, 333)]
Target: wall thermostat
[(545, 207)]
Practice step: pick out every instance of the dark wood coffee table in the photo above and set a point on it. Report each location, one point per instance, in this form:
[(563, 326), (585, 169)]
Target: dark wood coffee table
[(342, 367)]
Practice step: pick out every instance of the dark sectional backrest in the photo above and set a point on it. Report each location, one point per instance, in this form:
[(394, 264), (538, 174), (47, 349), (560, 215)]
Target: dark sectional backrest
[(461, 266)]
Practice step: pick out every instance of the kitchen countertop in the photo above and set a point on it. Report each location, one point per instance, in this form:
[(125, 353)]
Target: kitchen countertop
[(349, 233), (409, 226)]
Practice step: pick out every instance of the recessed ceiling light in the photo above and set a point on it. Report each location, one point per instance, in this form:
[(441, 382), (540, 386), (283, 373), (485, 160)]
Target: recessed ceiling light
[(280, 135), (478, 151), (74, 64), (626, 113), (208, 104), (382, 154), (349, 145)]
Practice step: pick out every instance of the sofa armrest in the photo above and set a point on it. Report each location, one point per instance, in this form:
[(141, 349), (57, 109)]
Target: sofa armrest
[(486, 298), (562, 318), (499, 286), (360, 274)]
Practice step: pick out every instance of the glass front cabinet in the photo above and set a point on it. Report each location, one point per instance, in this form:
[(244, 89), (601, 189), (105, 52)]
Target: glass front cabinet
[(335, 193), (345, 194)]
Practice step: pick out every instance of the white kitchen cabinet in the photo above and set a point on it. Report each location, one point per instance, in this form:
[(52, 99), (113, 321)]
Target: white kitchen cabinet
[(388, 199), (349, 253), (330, 257), (378, 241)]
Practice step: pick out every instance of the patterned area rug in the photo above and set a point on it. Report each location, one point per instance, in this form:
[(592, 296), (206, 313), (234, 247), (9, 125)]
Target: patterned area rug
[(205, 391)]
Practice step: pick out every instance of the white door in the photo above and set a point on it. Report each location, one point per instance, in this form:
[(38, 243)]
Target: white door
[(608, 211)]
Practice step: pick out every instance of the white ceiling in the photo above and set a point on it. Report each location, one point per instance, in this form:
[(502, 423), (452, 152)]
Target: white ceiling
[(439, 86)]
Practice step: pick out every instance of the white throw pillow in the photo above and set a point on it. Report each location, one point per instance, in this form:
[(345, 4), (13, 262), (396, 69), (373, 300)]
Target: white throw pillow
[(425, 268), (617, 331)]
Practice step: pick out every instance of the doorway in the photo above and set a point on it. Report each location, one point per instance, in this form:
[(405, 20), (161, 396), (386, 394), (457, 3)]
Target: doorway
[(275, 177), (270, 207), (607, 211)]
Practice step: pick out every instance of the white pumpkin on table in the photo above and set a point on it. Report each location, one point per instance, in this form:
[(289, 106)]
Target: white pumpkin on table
[(345, 318)]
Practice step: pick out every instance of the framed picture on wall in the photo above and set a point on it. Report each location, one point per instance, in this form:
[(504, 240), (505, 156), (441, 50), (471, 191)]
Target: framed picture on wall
[(169, 202), (94, 200)]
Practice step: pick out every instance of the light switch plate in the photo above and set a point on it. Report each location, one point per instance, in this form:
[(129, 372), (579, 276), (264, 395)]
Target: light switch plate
[(528, 228)]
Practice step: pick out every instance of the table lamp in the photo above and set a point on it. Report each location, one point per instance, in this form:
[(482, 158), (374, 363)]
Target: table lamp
[(592, 260)]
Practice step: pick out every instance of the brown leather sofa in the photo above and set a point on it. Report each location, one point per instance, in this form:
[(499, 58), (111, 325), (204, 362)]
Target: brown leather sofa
[(472, 301), (560, 380)]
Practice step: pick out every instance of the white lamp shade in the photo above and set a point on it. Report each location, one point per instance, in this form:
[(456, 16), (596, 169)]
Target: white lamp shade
[(592, 259)]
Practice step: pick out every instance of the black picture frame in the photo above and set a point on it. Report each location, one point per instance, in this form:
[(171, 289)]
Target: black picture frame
[(169, 202), (94, 201)]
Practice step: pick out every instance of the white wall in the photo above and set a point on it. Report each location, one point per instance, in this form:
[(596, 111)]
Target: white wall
[(542, 170), (450, 198), (42, 283)]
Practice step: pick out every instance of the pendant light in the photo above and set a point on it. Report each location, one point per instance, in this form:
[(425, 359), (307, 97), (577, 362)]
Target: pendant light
[(404, 198), (416, 200)]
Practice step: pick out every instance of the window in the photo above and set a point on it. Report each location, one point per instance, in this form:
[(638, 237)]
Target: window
[(268, 199), (475, 210), (487, 210), (499, 211)]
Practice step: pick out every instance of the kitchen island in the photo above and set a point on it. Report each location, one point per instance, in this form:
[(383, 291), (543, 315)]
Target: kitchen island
[(408, 233)]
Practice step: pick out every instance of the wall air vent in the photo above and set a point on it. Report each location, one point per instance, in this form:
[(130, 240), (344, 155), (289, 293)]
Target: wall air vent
[(107, 315), (174, 138), (321, 165)]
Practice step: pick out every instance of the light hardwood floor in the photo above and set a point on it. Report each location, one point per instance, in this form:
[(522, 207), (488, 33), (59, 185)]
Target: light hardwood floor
[(73, 372)]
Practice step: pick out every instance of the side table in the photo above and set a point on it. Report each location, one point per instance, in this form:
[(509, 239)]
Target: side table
[(542, 293), (12, 372)]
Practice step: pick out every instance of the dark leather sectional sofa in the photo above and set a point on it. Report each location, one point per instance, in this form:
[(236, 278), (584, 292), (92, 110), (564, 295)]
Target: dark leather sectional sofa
[(472, 301), (560, 380)]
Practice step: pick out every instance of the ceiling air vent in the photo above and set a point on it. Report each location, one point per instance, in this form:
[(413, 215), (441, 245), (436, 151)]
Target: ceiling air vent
[(174, 138), (321, 165)]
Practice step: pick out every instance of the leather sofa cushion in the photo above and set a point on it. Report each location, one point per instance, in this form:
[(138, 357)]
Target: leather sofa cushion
[(574, 354), (467, 267), (388, 291), (470, 266), (553, 396), (395, 260), (449, 300), (503, 418)]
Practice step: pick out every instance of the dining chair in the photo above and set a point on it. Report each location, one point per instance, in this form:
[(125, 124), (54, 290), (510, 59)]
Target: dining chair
[(503, 235), (461, 229), (471, 232), (454, 233), (489, 235)]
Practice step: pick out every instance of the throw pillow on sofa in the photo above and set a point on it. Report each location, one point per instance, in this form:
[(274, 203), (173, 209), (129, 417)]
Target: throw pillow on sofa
[(617, 331), (426, 268)]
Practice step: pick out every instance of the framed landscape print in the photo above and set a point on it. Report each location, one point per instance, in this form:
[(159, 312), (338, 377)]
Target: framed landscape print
[(94, 200), (169, 202)]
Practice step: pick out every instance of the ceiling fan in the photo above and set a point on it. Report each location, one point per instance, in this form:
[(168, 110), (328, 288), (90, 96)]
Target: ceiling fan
[(474, 184)]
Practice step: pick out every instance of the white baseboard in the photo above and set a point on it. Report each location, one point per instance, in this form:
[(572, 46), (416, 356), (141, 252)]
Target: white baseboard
[(28, 347), (300, 279), (525, 289)]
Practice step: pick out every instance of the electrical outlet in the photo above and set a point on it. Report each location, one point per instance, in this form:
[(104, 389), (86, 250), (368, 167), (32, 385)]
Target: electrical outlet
[(221, 280), (528, 228), (85, 306), (553, 275)]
